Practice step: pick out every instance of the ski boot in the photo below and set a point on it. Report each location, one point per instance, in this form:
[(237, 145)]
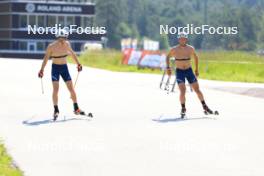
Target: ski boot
[(183, 112), (207, 111), (55, 115), (80, 112)]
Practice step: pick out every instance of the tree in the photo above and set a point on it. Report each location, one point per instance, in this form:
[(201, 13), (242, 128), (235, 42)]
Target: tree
[(164, 42), (110, 14), (142, 18)]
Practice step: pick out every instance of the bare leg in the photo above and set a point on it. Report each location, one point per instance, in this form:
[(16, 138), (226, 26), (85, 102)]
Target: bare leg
[(195, 87), (55, 92), (55, 85), (77, 110), (182, 88), (74, 98), (72, 91), (197, 90)]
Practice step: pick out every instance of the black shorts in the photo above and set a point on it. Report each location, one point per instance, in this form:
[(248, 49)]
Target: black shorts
[(188, 74), (60, 70)]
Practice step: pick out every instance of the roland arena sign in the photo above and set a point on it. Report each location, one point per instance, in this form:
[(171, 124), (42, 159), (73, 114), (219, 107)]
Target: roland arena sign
[(86, 9)]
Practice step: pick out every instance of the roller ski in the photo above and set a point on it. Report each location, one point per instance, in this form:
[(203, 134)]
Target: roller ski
[(183, 113), (55, 116), (208, 111), (56, 113), (82, 113)]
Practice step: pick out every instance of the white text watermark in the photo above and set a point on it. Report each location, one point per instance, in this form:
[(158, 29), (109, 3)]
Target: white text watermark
[(70, 29), (199, 30)]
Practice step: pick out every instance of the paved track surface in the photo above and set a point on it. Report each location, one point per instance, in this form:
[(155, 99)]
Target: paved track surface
[(136, 129)]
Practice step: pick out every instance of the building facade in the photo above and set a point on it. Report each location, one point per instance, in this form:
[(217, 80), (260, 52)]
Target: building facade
[(17, 15)]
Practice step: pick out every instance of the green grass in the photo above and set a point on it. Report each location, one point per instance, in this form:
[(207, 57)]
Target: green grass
[(6, 166), (232, 66), (218, 65), (110, 60)]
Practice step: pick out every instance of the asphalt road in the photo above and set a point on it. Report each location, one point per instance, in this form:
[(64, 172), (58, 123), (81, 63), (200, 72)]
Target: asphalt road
[(136, 129)]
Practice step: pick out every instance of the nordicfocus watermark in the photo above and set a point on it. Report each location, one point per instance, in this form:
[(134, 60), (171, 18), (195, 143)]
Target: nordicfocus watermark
[(199, 30), (70, 29)]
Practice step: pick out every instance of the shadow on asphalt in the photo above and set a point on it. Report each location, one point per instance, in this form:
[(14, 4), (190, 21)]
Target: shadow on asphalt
[(163, 119), (50, 121)]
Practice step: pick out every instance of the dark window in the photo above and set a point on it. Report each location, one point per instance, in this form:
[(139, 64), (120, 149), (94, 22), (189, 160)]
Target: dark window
[(31, 47), (5, 44), (22, 21), (51, 21), (5, 34), (5, 21), (77, 20), (4, 7), (15, 21), (15, 45), (41, 21), (32, 20), (86, 22), (22, 45), (69, 20), (40, 46), (61, 21)]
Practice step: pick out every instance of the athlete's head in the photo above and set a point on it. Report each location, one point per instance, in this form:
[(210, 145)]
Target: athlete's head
[(182, 38), (62, 34)]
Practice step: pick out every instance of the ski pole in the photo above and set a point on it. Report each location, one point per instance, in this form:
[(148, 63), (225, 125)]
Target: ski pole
[(174, 83), (76, 80), (167, 85), (161, 82), (191, 87), (42, 88)]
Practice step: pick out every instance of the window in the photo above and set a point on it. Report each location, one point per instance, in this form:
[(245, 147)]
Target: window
[(40, 46), (86, 22), (22, 21), (51, 21), (69, 20), (32, 20), (22, 45), (41, 21), (61, 21), (31, 46)]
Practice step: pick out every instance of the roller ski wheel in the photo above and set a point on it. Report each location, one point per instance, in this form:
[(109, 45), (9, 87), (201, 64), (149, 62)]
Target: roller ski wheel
[(216, 113), (208, 111), (82, 113), (90, 115)]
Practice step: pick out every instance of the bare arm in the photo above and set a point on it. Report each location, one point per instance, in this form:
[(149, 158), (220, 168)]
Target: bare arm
[(196, 62), (46, 58), (74, 56), (168, 58), (168, 62)]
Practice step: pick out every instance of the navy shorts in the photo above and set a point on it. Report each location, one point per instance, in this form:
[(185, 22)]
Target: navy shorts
[(188, 74), (60, 70)]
